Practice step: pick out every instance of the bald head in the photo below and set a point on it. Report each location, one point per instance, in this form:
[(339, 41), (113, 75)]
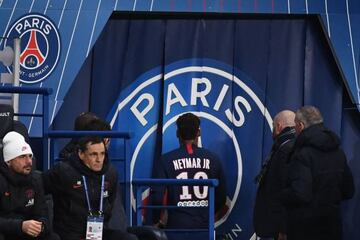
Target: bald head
[(282, 120)]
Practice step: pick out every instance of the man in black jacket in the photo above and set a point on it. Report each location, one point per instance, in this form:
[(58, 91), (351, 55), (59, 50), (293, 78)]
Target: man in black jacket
[(269, 212), (23, 211), (319, 179), (76, 188)]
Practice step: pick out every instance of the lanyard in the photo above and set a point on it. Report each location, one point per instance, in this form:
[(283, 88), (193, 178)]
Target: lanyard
[(101, 194)]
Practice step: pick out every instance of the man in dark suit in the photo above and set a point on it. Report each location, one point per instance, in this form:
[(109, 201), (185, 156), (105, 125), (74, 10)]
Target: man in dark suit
[(269, 211)]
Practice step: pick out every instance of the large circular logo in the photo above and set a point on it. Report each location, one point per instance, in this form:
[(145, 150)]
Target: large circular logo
[(40, 46), (233, 121)]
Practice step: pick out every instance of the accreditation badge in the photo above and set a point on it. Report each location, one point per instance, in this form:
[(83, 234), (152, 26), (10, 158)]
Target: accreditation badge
[(94, 227)]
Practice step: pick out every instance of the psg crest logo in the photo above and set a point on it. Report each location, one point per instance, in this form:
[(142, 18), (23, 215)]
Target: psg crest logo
[(40, 46), (232, 114)]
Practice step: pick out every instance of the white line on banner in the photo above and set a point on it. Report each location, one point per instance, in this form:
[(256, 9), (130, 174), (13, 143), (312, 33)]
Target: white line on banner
[(41, 84), (134, 6), (7, 25), (115, 4), (62, 13), (32, 4), (64, 66), (327, 18), (352, 49), (47, 6), (288, 3), (152, 5), (93, 28)]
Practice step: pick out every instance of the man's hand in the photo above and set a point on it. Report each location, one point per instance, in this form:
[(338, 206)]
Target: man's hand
[(159, 224), (32, 227)]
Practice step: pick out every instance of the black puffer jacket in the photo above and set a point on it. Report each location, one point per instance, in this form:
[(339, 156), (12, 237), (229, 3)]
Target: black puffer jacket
[(319, 179), (269, 212), (21, 198), (67, 151), (64, 182)]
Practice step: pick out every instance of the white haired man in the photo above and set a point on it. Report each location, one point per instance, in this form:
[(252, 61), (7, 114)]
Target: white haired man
[(319, 179)]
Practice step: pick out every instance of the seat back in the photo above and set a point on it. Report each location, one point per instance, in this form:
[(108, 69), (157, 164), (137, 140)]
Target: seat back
[(7, 123), (6, 120)]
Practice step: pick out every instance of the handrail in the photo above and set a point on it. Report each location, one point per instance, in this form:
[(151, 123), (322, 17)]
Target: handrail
[(45, 92), (26, 90), (71, 133), (146, 182), (48, 134)]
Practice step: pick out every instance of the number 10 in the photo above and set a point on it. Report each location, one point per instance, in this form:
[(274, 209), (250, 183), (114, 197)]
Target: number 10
[(185, 195)]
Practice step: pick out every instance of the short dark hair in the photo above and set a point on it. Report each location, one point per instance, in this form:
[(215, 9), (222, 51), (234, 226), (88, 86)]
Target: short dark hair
[(83, 120), (83, 142), (97, 124), (188, 126)]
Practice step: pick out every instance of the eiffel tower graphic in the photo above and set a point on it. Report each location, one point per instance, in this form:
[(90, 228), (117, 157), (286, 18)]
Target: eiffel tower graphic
[(32, 51)]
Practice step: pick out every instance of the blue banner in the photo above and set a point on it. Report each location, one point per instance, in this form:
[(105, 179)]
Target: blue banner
[(234, 74)]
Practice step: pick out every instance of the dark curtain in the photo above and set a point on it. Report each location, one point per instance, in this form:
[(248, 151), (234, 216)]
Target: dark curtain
[(286, 62)]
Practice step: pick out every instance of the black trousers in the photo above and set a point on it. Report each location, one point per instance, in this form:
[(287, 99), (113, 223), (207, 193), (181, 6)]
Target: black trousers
[(118, 235), (50, 236), (317, 228)]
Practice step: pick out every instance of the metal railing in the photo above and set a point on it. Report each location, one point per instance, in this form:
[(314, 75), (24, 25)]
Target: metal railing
[(54, 134), (44, 92), (48, 134), (140, 184)]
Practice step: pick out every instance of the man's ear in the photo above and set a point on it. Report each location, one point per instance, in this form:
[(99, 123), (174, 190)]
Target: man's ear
[(279, 128), (302, 125), (81, 154), (8, 163)]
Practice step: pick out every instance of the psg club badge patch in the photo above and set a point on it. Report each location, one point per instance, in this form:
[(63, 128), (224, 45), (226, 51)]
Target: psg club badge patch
[(40, 46)]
